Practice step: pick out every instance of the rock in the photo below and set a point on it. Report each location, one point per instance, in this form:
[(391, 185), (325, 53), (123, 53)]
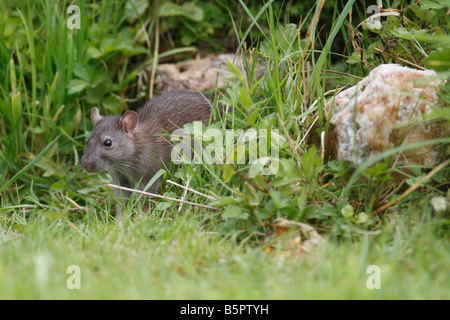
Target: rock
[(390, 104), (195, 74), (200, 74)]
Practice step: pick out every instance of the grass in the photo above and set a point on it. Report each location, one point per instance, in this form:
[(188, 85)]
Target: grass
[(157, 258), (53, 214)]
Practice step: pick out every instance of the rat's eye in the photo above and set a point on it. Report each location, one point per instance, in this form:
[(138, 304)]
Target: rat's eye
[(107, 143)]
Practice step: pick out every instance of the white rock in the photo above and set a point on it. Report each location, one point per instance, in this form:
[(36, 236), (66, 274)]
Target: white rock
[(390, 104)]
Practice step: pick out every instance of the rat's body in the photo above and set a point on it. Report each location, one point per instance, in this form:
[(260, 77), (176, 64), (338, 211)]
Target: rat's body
[(133, 147)]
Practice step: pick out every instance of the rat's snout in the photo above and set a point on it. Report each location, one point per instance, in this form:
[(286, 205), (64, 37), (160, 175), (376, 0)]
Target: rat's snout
[(87, 164)]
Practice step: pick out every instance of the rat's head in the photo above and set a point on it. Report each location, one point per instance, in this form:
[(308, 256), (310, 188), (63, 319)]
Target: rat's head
[(110, 144)]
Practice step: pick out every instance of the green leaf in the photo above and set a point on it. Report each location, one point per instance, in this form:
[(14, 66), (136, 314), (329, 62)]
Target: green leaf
[(188, 10), (234, 212), (319, 211), (260, 182), (354, 58), (234, 70), (245, 99), (288, 169), (82, 72), (113, 104), (123, 45), (377, 170), (436, 39), (76, 86), (439, 61), (278, 199), (98, 79), (311, 163), (93, 53), (227, 172), (253, 196), (374, 24), (347, 211), (256, 166), (134, 9), (427, 5), (362, 218), (403, 33), (60, 185), (223, 201), (163, 206)]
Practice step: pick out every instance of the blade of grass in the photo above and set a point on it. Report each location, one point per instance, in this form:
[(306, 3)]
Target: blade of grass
[(254, 21), (320, 62), (29, 165), (372, 160), (411, 188), (29, 33)]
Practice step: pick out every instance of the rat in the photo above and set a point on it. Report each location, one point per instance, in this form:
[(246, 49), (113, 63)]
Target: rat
[(133, 147)]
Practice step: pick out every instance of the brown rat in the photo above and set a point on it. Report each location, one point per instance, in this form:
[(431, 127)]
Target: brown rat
[(134, 146)]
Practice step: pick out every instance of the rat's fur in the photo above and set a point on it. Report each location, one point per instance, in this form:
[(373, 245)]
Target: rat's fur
[(140, 142)]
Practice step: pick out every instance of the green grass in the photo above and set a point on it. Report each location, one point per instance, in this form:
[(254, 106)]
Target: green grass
[(50, 77), (157, 258)]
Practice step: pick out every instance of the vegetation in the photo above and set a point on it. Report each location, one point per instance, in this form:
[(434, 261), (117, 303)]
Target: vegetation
[(54, 214)]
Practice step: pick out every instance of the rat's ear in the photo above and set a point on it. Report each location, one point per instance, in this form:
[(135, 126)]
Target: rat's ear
[(129, 121), (95, 116)]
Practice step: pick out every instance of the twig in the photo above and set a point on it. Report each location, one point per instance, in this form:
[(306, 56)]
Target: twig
[(411, 188), (344, 74), (184, 193), (307, 132), (400, 10), (314, 23), (398, 58), (78, 207), (377, 15), (192, 190), (160, 196), (248, 181)]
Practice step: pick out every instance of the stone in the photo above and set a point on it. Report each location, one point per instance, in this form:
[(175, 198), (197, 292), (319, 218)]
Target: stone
[(195, 74), (384, 110), (202, 74)]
